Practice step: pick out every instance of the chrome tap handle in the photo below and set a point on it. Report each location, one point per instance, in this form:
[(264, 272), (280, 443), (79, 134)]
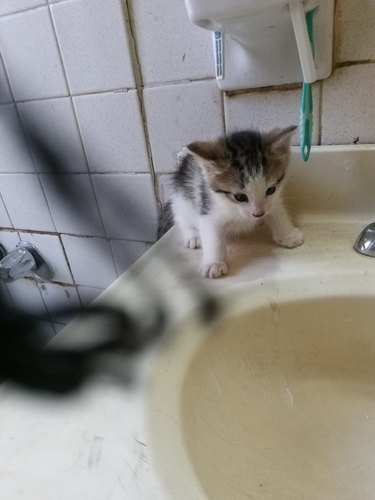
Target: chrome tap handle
[(23, 260)]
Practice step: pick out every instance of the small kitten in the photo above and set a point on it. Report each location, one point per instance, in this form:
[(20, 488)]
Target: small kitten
[(226, 187)]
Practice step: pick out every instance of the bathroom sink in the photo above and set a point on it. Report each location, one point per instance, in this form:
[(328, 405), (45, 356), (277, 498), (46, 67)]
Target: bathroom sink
[(274, 401)]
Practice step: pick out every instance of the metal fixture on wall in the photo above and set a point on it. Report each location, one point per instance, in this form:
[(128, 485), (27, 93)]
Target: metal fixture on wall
[(22, 261)]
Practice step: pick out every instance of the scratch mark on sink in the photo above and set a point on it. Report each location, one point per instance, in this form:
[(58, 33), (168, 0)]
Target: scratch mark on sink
[(95, 452), (217, 383), (288, 391), (275, 308)]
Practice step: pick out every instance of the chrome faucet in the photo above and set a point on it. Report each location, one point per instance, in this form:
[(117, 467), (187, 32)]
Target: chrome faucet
[(23, 260), (365, 243)]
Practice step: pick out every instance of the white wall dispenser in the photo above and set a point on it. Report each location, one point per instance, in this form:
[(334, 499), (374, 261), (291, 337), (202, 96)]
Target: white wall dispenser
[(260, 43)]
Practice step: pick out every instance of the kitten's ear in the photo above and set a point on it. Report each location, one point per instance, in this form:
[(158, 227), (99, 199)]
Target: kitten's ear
[(279, 140), (209, 151), (210, 156)]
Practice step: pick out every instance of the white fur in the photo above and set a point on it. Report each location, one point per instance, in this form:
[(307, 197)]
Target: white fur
[(227, 218)]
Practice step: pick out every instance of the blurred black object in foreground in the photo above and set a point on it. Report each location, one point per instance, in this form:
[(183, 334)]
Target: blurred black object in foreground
[(24, 359)]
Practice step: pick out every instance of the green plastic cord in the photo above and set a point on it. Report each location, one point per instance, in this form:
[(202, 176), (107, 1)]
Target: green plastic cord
[(306, 115)]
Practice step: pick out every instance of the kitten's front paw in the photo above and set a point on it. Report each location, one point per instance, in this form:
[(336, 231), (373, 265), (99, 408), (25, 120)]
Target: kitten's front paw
[(214, 270), (290, 240), (193, 242)]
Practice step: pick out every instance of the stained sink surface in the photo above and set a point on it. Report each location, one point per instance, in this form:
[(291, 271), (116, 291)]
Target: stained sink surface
[(278, 402)]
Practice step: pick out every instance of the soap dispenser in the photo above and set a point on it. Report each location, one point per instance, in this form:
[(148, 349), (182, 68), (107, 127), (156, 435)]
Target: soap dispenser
[(260, 43)]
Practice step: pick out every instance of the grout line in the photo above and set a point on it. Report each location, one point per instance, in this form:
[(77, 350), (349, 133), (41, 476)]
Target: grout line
[(171, 83), (82, 145), (288, 86), (75, 235), (59, 48), (320, 113), (49, 233), (336, 33), (223, 97), (34, 163), (88, 173), (6, 210), (66, 258), (229, 93), (7, 79), (59, 283), (345, 64), (92, 186), (80, 94), (128, 17), (44, 302), (116, 90), (27, 9)]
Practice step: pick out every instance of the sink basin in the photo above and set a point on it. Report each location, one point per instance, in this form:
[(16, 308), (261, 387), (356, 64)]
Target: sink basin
[(276, 400)]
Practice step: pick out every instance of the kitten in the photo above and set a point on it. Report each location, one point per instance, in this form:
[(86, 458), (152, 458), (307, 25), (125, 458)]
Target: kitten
[(226, 187)]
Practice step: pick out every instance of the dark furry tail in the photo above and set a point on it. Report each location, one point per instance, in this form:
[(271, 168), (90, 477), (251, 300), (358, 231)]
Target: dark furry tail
[(165, 220)]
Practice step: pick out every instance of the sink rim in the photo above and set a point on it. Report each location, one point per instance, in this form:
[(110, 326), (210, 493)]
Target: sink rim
[(171, 365)]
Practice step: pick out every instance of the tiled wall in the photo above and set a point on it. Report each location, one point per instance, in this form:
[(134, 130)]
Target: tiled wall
[(117, 88)]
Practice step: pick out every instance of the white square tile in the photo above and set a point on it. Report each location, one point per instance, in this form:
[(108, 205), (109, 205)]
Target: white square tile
[(4, 217), (179, 114), (170, 47), (24, 198), (14, 151), (125, 253), (88, 294), (94, 45), (354, 30), (128, 207), (58, 298), (247, 111), (9, 240), (26, 296), (265, 110), (54, 121), (10, 6), (78, 214), (112, 132), (31, 55), (347, 110), (51, 249), (90, 260), (5, 92)]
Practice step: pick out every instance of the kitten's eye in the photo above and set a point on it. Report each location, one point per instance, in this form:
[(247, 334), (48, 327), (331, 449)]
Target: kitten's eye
[(241, 197), (270, 190)]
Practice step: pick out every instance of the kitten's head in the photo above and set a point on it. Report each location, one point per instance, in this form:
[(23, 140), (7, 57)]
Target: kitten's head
[(246, 168)]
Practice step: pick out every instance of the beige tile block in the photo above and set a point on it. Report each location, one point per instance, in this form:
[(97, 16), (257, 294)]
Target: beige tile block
[(267, 109), (179, 114), (170, 47), (348, 106), (354, 30)]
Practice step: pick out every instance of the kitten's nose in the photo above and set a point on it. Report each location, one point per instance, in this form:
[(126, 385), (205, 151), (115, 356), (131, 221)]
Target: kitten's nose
[(258, 214)]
